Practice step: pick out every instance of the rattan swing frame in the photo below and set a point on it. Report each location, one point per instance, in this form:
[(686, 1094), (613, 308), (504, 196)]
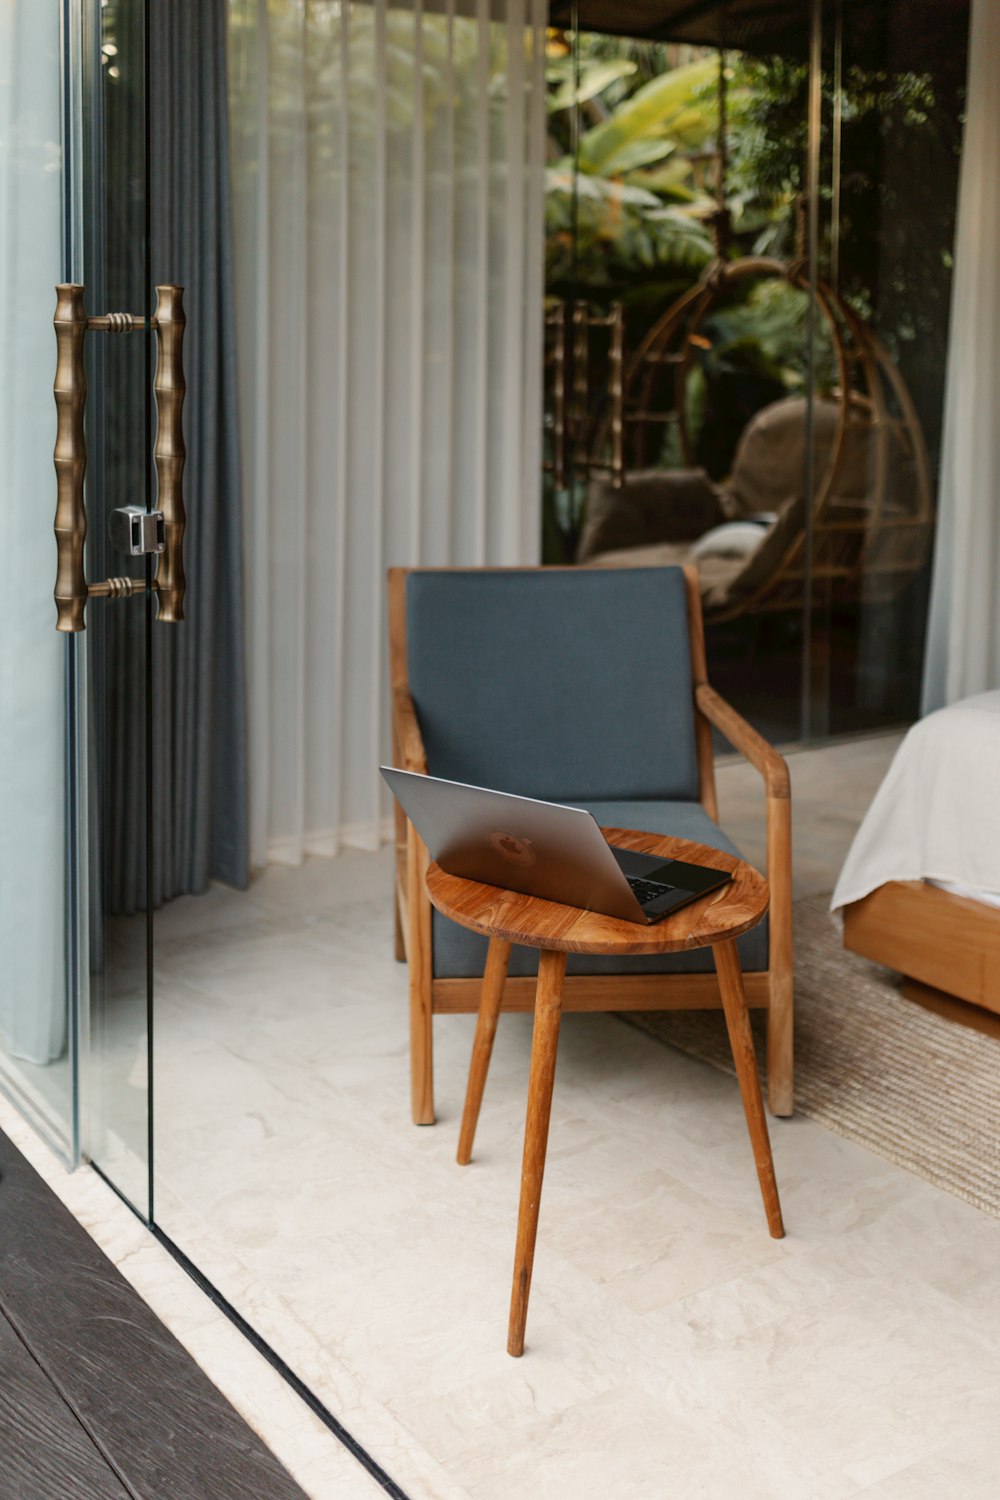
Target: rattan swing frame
[(849, 550)]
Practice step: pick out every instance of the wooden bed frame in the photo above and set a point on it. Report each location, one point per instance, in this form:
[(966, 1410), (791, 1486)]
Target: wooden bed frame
[(949, 943)]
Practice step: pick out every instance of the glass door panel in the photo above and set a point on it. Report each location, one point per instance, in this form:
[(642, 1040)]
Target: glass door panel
[(688, 267), (888, 148), (37, 1043), (830, 162), (118, 636)]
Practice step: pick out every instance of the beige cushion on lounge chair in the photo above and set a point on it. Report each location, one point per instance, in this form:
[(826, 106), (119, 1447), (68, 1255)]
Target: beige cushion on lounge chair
[(678, 505), (674, 506), (727, 576), (767, 477), (771, 454), (716, 573), (753, 572)]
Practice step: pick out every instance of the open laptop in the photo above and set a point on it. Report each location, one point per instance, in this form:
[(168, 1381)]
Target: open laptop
[(543, 849)]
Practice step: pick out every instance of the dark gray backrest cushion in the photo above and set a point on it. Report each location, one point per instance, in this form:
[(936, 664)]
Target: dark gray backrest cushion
[(555, 684)]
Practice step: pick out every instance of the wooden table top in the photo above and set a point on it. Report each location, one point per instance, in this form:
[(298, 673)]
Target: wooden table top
[(534, 923)]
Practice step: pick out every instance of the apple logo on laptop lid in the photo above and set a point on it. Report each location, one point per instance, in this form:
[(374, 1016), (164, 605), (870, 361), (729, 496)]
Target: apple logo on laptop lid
[(517, 851)]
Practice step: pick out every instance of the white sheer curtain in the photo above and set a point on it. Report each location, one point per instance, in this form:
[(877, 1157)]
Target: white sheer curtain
[(388, 192), (32, 655), (963, 641)]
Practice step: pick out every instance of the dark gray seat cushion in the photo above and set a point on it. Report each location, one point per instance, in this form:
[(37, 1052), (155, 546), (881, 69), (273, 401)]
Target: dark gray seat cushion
[(460, 954)]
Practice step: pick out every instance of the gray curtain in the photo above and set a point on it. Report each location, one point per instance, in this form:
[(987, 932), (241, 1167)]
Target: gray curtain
[(198, 671), (200, 822)]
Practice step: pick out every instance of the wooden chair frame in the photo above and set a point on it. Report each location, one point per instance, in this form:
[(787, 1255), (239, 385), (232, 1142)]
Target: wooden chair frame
[(770, 988)]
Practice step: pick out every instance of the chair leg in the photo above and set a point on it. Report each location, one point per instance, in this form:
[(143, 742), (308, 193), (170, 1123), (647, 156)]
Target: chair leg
[(544, 1045), (399, 939), (734, 1003), (494, 978), (421, 1045), (780, 1083), (780, 1062)]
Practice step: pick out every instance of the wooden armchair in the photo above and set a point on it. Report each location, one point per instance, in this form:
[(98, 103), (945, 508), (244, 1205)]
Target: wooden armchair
[(588, 688)]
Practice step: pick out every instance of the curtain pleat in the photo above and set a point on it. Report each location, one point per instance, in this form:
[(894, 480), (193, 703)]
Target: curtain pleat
[(199, 669), (534, 288), (512, 421), (418, 284), (199, 683), (963, 631), (387, 165)]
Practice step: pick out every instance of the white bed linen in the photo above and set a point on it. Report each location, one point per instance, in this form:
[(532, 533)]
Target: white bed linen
[(936, 815)]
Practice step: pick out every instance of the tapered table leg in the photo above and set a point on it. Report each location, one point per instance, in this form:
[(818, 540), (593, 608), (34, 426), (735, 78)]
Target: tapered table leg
[(544, 1045), (727, 964), (494, 978), (420, 961)]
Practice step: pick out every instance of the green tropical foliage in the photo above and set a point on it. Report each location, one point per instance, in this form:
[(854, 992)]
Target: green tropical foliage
[(662, 117), (625, 196)]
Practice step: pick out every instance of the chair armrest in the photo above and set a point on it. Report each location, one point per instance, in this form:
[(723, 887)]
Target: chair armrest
[(413, 903), (778, 820), (406, 733), (744, 738)]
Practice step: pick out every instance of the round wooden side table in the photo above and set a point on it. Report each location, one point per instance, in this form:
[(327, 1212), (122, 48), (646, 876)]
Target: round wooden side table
[(506, 918)]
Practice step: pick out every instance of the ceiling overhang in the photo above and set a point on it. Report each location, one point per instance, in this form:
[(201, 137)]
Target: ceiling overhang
[(749, 25), (885, 33)]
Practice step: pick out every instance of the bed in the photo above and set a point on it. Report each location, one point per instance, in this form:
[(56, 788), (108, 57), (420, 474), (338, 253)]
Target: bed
[(920, 889)]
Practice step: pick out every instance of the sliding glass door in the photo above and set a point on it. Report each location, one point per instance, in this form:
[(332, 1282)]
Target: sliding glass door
[(75, 784), (749, 234), (115, 704), (885, 144), (37, 1041)]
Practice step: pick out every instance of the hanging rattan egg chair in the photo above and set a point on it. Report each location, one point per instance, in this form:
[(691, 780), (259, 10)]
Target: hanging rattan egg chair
[(869, 526)]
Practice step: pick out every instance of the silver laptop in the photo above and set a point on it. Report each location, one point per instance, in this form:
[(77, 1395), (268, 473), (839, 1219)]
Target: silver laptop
[(543, 849)]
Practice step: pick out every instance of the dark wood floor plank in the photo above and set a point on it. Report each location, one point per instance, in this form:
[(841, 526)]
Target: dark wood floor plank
[(133, 1387), (44, 1452)]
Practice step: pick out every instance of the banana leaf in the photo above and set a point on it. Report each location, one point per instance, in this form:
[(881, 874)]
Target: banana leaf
[(594, 80), (642, 153), (652, 110)]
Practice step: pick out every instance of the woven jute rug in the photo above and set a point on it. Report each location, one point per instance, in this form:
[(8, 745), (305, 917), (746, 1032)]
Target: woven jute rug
[(919, 1090)]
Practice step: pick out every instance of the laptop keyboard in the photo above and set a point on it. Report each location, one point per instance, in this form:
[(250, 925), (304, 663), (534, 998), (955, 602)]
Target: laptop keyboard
[(648, 890)]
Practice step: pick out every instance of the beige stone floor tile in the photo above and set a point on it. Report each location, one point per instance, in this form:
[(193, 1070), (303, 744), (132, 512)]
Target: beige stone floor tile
[(674, 1350), (953, 1475)]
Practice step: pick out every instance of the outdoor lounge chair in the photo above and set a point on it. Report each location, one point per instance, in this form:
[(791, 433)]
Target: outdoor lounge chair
[(871, 516), (872, 512)]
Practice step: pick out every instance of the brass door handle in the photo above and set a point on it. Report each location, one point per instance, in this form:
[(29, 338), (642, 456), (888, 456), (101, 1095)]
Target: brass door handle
[(70, 456), (169, 453)]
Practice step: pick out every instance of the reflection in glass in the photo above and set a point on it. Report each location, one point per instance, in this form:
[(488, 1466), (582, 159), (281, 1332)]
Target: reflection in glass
[(35, 1063), (678, 193), (891, 143), (119, 441)]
